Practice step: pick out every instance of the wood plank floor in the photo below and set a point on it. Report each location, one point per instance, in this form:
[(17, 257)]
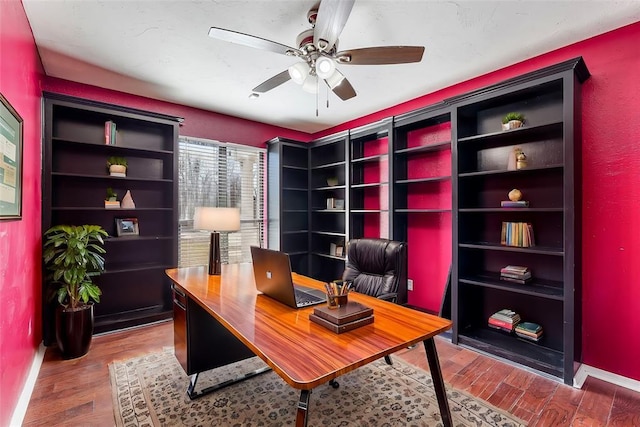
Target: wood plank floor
[(77, 392)]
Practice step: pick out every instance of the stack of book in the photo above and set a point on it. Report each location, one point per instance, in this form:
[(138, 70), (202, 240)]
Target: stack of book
[(111, 205), (516, 274), (342, 319), (504, 320), (529, 331), (517, 234)]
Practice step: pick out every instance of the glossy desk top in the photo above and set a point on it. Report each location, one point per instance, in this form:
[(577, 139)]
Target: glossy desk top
[(303, 353)]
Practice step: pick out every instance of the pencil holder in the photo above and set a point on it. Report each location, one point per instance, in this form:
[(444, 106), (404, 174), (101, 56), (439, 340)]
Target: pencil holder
[(337, 301)]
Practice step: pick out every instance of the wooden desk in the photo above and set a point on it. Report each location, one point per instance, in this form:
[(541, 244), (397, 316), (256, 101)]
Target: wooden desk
[(303, 353)]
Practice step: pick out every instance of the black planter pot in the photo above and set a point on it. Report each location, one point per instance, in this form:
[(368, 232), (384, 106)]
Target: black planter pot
[(74, 329)]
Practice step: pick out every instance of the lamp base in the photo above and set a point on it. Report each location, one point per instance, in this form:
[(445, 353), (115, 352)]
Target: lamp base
[(214, 254)]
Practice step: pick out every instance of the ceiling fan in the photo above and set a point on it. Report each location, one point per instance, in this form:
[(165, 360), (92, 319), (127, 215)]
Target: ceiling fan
[(318, 50)]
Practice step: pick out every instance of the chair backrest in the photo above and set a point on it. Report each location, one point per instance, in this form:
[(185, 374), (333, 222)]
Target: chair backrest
[(377, 267)]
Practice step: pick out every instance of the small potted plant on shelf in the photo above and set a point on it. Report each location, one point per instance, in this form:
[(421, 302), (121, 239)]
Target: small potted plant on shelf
[(112, 196), (512, 121), (117, 166), (73, 255), (111, 199)]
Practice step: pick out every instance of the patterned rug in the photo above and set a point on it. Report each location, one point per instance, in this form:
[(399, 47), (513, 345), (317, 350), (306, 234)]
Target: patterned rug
[(151, 391)]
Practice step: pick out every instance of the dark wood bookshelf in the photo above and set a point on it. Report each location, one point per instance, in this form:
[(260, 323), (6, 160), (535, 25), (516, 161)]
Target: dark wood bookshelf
[(134, 287), (550, 138), (288, 200)]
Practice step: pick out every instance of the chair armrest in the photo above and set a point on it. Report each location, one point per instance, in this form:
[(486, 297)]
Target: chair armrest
[(391, 296)]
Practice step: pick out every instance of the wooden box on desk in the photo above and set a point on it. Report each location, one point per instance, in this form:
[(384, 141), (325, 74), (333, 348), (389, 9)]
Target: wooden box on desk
[(342, 319)]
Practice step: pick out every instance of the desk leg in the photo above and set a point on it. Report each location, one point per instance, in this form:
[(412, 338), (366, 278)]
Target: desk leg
[(193, 394), (438, 382), (303, 408)]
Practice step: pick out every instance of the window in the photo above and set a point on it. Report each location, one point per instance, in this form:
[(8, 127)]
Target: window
[(212, 173)]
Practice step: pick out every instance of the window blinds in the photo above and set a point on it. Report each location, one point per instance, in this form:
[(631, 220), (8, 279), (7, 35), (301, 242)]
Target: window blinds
[(212, 173)]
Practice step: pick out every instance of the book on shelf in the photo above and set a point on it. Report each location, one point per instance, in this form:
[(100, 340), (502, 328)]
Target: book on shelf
[(506, 315), (516, 204), (529, 330), (120, 174), (520, 269), (501, 324), (522, 276), (111, 205), (512, 280), (518, 234), (110, 132)]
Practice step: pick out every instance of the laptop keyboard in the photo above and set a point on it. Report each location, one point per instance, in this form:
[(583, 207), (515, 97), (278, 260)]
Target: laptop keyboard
[(304, 298)]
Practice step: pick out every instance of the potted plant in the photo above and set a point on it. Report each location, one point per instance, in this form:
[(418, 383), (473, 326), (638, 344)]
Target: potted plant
[(117, 166), (512, 121), (73, 255), (112, 196)]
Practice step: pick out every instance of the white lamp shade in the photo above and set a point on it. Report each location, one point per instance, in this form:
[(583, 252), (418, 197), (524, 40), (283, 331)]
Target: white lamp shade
[(325, 67), (216, 219), (298, 72), (310, 84)]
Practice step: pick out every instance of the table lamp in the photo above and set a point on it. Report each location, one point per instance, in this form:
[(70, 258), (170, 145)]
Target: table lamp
[(216, 220)]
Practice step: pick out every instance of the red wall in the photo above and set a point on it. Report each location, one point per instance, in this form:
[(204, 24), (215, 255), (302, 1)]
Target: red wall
[(611, 213), (20, 325)]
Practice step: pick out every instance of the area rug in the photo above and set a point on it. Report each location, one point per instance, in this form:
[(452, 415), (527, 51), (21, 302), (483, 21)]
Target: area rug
[(151, 391)]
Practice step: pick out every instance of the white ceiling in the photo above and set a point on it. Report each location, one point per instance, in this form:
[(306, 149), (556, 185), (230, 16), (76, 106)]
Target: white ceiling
[(160, 49)]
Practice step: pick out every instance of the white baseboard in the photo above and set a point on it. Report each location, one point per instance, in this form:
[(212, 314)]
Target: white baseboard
[(23, 402), (585, 370)]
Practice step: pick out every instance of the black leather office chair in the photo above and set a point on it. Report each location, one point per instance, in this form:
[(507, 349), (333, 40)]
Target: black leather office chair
[(378, 267)]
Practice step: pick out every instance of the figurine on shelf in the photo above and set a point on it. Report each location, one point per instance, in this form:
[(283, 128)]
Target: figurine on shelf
[(127, 201), (521, 160)]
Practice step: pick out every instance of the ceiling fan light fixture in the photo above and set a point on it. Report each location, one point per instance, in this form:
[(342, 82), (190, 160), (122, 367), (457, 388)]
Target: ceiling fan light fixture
[(325, 67), (310, 84), (299, 72)]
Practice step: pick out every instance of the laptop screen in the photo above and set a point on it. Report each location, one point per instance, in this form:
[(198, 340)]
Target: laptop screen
[(272, 272)]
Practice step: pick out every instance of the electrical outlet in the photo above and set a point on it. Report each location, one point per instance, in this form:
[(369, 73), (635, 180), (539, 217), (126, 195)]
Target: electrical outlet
[(409, 284)]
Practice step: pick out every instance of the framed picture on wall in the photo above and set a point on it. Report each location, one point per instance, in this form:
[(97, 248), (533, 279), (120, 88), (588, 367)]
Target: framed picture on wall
[(10, 162), (127, 227)]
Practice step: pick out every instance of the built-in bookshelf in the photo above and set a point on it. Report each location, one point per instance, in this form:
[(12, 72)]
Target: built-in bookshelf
[(369, 194), (484, 174), (329, 203), (135, 289), (288, 200), (422, 198)]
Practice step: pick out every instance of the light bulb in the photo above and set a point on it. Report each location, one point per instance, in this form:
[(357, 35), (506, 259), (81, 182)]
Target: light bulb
[(325, 67), (298, 72)]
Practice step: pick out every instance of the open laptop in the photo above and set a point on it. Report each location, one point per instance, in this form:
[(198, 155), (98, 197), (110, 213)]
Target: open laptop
[(272, 272)]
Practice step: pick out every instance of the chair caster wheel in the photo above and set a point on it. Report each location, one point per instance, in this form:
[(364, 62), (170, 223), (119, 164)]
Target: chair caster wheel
[(334, 383)]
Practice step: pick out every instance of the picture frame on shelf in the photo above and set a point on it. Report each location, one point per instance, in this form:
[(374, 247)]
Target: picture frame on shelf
[(10, 162), (127, 227)]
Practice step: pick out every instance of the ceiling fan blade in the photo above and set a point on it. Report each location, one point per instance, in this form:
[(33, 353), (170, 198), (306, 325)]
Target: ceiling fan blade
[(339, 84), (251, 41), (381, 55), (273, 82), (332, 16)]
